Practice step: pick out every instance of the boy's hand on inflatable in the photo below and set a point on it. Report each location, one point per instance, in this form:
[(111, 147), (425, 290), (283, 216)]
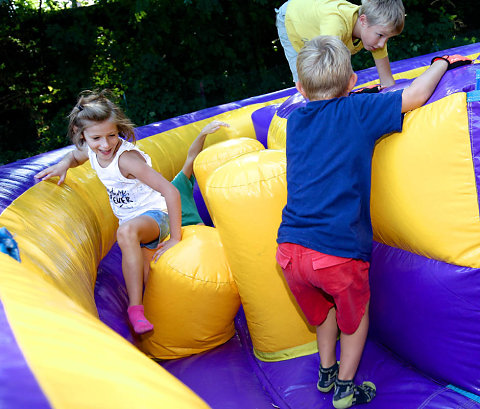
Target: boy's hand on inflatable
[(163, 247), (453, 61), (371, 89)]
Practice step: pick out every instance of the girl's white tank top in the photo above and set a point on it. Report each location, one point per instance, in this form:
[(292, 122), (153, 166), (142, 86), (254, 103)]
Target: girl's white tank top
[(129, 198)]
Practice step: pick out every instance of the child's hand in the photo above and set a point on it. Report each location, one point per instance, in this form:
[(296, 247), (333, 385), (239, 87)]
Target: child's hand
[(213, 127), (60, 169), (371, 89), (163, 247), (453, 61)]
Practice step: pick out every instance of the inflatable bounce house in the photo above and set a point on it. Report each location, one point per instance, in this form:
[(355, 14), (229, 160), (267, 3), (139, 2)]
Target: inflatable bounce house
[(228, 333)]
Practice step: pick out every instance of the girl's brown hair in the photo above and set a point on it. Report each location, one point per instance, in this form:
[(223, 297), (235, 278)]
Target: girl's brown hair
[(97, 106)]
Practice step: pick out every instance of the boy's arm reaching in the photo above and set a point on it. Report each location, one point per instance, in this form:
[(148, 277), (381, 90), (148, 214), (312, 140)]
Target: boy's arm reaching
[(384, 72), (423, 86), (197, 145), (71, 160)]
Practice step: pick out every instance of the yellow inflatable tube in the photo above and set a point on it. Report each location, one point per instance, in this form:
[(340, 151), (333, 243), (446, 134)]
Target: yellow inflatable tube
[(247, 195), (79, 362)]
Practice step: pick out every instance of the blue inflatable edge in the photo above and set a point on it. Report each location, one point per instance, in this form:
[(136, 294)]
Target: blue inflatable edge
[(469, 395), (473, 96)]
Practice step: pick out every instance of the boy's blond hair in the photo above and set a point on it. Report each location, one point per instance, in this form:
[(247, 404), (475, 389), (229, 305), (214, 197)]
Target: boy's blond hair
[(324, 68), (387, 13)]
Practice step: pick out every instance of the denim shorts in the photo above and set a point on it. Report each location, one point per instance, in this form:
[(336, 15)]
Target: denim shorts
[(290, 52), (163, 225)]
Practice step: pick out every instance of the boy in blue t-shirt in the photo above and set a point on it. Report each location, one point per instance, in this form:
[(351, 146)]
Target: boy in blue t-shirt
[(325, 237)]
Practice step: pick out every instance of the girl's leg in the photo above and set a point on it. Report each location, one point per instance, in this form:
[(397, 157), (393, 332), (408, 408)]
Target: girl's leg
[(147, 258), (142, 229)]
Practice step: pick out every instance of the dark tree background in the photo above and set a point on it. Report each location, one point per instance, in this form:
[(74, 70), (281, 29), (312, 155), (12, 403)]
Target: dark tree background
[(163, 58)]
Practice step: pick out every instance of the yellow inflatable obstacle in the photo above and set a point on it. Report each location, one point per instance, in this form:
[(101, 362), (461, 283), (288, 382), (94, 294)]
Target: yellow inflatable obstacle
[(435, 143), (190, 297), (245, 189), (246, 196), (216, 155)]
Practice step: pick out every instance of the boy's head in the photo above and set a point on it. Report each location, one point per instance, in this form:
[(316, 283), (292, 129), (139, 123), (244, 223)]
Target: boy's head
[(325, 69), (386, 13)]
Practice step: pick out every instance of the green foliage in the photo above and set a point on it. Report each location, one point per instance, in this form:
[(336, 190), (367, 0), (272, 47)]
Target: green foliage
[(161, 58), (428, 29)]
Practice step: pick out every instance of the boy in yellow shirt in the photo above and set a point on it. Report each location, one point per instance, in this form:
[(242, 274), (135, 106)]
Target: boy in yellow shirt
[(367, 26)]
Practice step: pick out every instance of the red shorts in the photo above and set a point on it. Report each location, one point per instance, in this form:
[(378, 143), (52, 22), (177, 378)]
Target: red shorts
[(320, 281)]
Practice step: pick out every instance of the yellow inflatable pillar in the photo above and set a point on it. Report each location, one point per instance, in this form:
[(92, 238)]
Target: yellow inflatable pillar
[(216, 155), (247, 196), (190, 297), (277, 133)]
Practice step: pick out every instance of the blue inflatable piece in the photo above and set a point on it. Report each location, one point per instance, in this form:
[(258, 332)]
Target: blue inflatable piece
[(8, 245)]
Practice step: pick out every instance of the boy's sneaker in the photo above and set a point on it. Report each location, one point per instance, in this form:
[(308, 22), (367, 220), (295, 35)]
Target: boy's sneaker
[(347, 394), (327, 378)]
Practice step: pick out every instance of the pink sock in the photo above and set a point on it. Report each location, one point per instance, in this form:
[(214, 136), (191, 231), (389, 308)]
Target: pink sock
[(137, 318)]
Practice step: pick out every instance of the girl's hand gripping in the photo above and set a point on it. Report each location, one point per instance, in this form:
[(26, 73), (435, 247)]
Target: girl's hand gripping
[(59, 169), (163, 247)]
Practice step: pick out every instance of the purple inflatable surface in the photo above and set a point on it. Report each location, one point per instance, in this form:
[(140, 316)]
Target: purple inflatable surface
[(261, 119), (292, 384), (14, 366), (428, 312)]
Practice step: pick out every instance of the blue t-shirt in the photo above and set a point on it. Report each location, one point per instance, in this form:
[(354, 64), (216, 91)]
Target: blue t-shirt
[(329, 158)]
